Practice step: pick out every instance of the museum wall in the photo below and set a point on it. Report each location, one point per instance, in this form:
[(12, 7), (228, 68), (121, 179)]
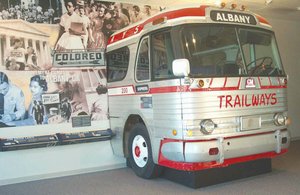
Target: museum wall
[(26, 165), (50, 162), (287, 33)]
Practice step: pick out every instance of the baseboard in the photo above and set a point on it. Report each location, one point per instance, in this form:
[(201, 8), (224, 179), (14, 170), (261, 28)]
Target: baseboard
[(61, 174)]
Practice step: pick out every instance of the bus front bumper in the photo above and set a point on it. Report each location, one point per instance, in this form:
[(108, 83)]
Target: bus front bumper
[(223, 151)]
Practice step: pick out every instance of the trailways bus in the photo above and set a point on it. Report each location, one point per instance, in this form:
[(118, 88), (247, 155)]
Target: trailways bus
[(188, 89), (196, 88)]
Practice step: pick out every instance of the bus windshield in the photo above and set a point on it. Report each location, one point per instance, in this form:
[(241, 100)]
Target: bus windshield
[(230, 51)]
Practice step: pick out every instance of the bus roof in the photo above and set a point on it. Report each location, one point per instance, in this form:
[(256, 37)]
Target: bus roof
[(199, 11)]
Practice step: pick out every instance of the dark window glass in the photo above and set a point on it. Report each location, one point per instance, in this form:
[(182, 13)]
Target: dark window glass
[(225, 50), (162, 56), (142, 66), (117, 64)]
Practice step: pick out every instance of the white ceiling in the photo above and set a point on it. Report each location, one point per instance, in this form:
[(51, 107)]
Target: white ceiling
[(281, 9)]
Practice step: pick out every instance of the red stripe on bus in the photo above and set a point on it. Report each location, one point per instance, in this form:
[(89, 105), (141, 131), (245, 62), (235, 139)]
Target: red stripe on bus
[(270, 81), (262, 19), (173, 89), (225, 82), (239, 82), (121, 87), (215, 89), (125, 34), (185, 166), (170, 89), (273, 87), (176, 89), (279, 80), (259, 81), (200, 11)]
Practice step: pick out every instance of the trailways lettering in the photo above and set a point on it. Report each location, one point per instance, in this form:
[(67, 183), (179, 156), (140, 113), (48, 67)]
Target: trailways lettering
[(233, 101)]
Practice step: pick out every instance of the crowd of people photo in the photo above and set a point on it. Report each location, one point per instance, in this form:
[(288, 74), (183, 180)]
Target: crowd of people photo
[(84, 25), (98, 19), (19, 58), (88, 24), (30, 12)]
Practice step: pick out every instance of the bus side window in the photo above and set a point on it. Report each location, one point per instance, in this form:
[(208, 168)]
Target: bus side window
[(142, 66), (117, 64)]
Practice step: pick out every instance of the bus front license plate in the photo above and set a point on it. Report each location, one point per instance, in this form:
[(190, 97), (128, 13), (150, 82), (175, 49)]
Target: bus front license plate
[(250, 123)]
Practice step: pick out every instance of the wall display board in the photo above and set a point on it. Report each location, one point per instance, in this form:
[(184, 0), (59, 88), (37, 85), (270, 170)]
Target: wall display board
[(52, 68)]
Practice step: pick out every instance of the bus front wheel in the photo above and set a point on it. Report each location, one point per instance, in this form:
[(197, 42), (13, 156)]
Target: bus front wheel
[(140, 153)]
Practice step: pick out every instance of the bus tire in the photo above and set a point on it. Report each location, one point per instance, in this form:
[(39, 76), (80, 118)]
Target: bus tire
[(140, 153)]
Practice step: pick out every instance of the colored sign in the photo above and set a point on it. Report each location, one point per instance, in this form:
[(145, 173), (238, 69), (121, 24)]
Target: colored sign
[(80, 58)]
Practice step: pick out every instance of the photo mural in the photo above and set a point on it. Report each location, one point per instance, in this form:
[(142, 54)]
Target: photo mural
[(52, 65)]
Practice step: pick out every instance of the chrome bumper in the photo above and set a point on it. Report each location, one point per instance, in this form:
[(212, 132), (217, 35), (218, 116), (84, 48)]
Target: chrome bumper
[(228, 147)]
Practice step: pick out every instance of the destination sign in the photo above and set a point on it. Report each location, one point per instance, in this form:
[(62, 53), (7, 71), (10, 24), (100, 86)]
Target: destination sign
[(234, 17), (83, 58)]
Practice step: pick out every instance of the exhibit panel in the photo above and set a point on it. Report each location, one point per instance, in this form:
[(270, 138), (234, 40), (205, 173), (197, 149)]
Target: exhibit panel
[(53, 85), (52, 58)]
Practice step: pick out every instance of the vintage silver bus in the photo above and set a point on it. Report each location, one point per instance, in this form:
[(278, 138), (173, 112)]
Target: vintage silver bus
[(196, 88)]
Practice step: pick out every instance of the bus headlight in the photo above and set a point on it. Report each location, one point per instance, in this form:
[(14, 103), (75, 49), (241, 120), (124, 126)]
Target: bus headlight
[(279, 119), (207, 126)]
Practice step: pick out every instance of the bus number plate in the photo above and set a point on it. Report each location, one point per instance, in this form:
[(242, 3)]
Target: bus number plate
[(250, 123)]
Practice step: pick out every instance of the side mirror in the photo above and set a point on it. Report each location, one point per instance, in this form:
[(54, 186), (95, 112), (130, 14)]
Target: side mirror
[(181, 67)]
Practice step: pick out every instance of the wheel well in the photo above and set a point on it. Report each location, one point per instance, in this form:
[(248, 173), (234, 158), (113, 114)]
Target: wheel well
[(131, 121)]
